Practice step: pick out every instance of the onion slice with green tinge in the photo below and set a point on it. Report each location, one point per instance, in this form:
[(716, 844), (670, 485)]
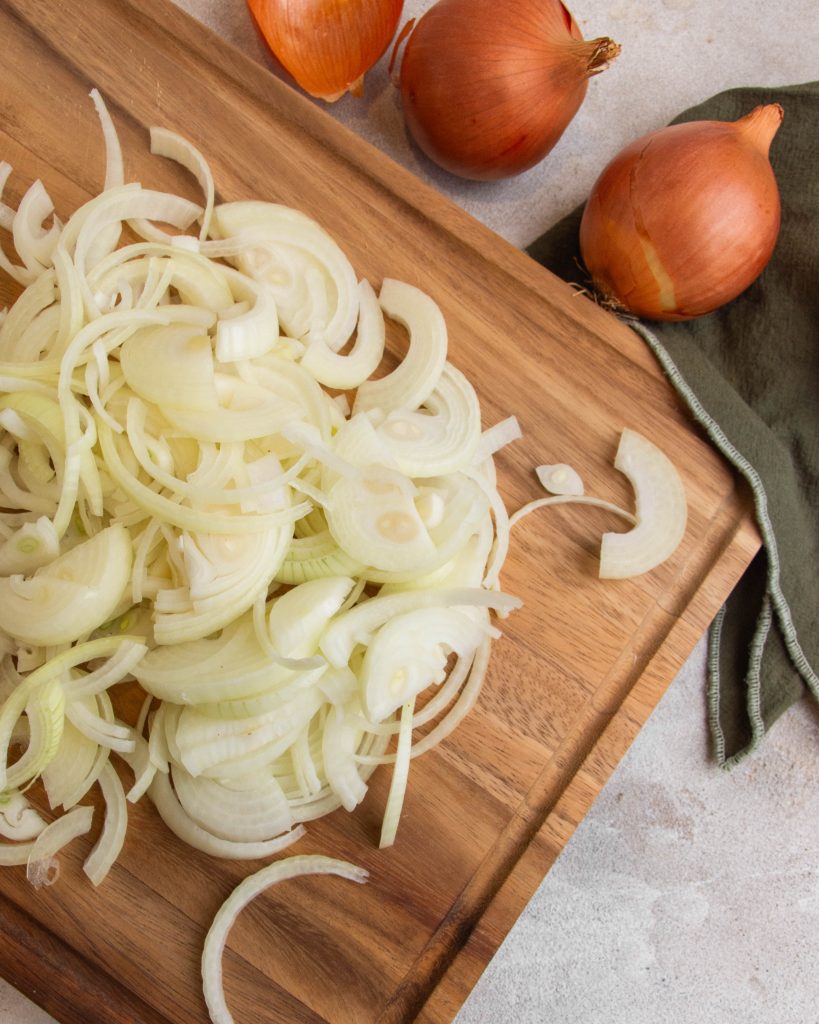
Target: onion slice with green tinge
[(70, 596)]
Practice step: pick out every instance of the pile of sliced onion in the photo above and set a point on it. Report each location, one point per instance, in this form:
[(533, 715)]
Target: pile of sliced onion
[(206, 493)]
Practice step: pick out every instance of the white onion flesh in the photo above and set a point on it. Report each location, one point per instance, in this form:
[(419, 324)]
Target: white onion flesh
[(74, 769), (411, 383), (42, 867), (660, 510), (70, 596), (189, 508), (349, 371), (19, 820), (107, 848), (190, 832), (175, 147), (244, 893), (400, 777)]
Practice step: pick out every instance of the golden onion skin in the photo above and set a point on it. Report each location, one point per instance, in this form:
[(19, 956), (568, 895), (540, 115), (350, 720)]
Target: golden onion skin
[(327, 45), (489, 86), (684, 219)]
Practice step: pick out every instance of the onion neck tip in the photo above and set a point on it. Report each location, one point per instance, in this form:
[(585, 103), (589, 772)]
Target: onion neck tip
[(761, 125), (603, 52)]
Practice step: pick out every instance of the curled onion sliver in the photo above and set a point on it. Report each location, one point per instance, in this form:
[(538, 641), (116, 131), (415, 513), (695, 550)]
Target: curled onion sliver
[(244, 893)]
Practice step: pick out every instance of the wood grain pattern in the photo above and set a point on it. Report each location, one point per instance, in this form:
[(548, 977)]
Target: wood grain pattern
[(580, 666)]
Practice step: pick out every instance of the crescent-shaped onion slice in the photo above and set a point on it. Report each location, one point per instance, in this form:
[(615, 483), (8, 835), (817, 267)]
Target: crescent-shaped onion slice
[(660, 509)]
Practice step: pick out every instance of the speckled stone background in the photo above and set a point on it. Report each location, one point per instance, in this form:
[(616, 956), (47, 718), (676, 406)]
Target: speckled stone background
[(688, 894)]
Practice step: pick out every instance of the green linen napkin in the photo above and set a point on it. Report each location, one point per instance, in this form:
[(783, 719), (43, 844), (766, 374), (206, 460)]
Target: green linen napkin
[(749, 375)]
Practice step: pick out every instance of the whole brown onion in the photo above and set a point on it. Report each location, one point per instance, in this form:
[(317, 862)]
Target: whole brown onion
[(489, 86), (684, 219), (327, 45)]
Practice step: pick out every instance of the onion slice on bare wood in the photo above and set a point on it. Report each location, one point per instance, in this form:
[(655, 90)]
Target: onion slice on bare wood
[(660, 508), (244, 893)]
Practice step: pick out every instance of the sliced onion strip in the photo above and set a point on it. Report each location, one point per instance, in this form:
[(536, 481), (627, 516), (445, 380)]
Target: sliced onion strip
[(172, 145), (244, 893), (183, 826), (107, 848), (400, 777), (42, 867), (661, 510), (414, 379)]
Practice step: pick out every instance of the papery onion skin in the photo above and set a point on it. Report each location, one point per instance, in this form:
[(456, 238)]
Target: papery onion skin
[(327, 45), (488, 87), (684, 219)]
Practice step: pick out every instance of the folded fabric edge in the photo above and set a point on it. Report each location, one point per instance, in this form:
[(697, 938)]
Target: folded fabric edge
[(753, 685), (774, 601)]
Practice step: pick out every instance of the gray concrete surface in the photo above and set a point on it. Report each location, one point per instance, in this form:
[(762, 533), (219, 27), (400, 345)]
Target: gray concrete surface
[(687, 893)]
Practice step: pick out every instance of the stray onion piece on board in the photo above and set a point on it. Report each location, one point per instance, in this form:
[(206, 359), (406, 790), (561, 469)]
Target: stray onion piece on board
[(686, 218), (489, 86), (327, 45), (244, 893), (661, 510)]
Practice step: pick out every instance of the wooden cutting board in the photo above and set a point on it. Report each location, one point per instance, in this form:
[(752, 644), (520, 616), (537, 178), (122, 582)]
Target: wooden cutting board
[(580, 666)]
